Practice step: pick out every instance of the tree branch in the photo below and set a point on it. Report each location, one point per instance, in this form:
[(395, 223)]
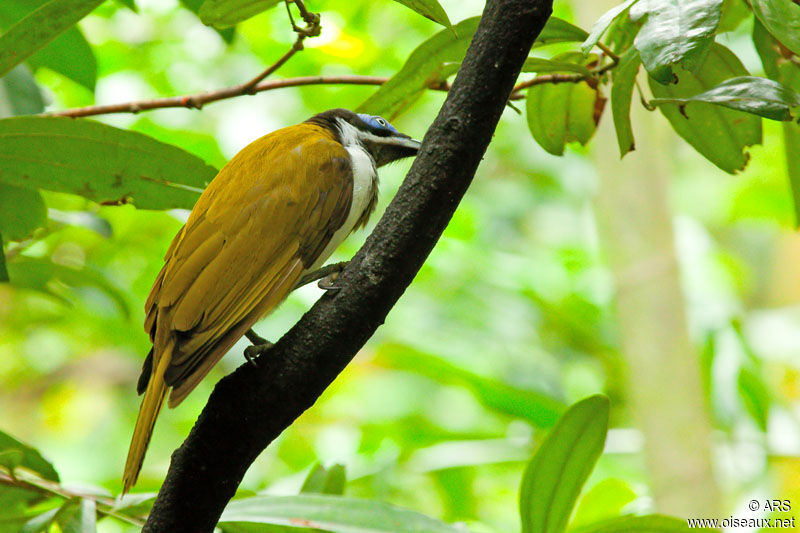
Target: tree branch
[(252, 406)]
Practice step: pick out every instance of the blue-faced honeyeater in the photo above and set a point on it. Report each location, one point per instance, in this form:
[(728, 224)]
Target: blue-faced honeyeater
[(275, 212)]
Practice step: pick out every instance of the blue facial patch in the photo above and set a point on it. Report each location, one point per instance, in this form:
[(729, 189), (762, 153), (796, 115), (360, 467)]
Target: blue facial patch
[(379, 123)]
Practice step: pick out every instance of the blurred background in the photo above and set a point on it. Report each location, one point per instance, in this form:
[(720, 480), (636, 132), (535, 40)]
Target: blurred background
[(660, 281)]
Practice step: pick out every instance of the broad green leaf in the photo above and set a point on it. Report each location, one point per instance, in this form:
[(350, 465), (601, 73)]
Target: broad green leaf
[(717, 133), (653, 523), (130, 4), (227, 34), (19, 94), (623, 78), (605, 500), (37, 274), (77, 515), (732, 14), (538, 64), (554, 476), (68, 54), (782, 19), (602, 24), (332, 513), (538, 408), (429, 63), (751, 94), (561, 113), (323, 480), (99, 162), (558, 30), (674, 32), (755, 396), (39, 28), (31, 459), (22, 210), (226, 13), (430, 9), (767, 48)]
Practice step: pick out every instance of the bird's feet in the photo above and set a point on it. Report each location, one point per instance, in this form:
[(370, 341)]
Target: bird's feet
[(326, 275), (260, 346)]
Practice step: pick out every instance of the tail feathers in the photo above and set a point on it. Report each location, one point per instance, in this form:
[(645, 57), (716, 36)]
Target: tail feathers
[(148, 412)]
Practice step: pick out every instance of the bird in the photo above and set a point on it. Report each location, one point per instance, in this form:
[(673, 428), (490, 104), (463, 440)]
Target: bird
[(273, 215)]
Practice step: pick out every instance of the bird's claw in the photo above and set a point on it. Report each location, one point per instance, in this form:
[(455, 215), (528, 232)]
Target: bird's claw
[(328, 283), (251, 353)]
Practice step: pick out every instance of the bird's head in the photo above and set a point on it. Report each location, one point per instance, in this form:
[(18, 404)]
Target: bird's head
[(382, 140)]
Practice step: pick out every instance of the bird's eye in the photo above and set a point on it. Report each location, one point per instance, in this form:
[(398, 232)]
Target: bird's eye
[(380, 121)]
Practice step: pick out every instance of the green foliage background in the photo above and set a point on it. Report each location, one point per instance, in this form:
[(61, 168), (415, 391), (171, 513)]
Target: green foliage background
[(511, 320)]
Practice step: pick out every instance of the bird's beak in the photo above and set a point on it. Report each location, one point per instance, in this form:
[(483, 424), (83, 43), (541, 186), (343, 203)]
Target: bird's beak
[(388, 149)]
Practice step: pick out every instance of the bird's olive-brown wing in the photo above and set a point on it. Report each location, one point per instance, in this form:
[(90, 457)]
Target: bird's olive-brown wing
[(261, 222)]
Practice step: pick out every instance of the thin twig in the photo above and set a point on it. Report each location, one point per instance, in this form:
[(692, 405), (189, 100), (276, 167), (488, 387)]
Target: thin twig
[(103, 505)]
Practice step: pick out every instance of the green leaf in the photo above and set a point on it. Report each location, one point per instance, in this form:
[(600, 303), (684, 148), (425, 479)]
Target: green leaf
[(558, 30), (538, 408), (605, 500), (130, 4), (37, 274), (561, 113), (791, 141), (77, 515), (3, 270), (68, 54), (554, 476), (325, 481), (602, 24), (31, 458), (718, 134), (674, 32), (653, 523), (226, 13), (538, 64), (430, 63), (99, 162), (429, 9), (623, 78), (732, 14), (39, 28), (333, 513), (782, 20), (22, 210), (19, 94), (40, 523), (227, 34), (751, 94), (755, 396)]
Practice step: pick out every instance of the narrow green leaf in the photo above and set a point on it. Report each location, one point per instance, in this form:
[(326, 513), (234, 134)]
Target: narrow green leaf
[(538, 64), (718, 134), (99, 162), (37, 273), (653, 523), (755, 396), (623, 79), (68, 54), (605, 500), (39, 28), (538, 408), (751, 94), (77, 515), (429, 63), (602, 24), (40, 523), (226, 13), (554, 476), (31, 458), (429, 9), (562, 113), (674, 31), (22, 210), (19, 94), (323, 480), (130, 4), (782, 20), (332, 513), (558, 30)]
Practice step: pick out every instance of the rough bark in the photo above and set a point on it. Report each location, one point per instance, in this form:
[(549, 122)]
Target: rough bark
[(251, 407)]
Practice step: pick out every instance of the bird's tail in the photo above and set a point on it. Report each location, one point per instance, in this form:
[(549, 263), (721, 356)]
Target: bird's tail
[(148, 412)]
